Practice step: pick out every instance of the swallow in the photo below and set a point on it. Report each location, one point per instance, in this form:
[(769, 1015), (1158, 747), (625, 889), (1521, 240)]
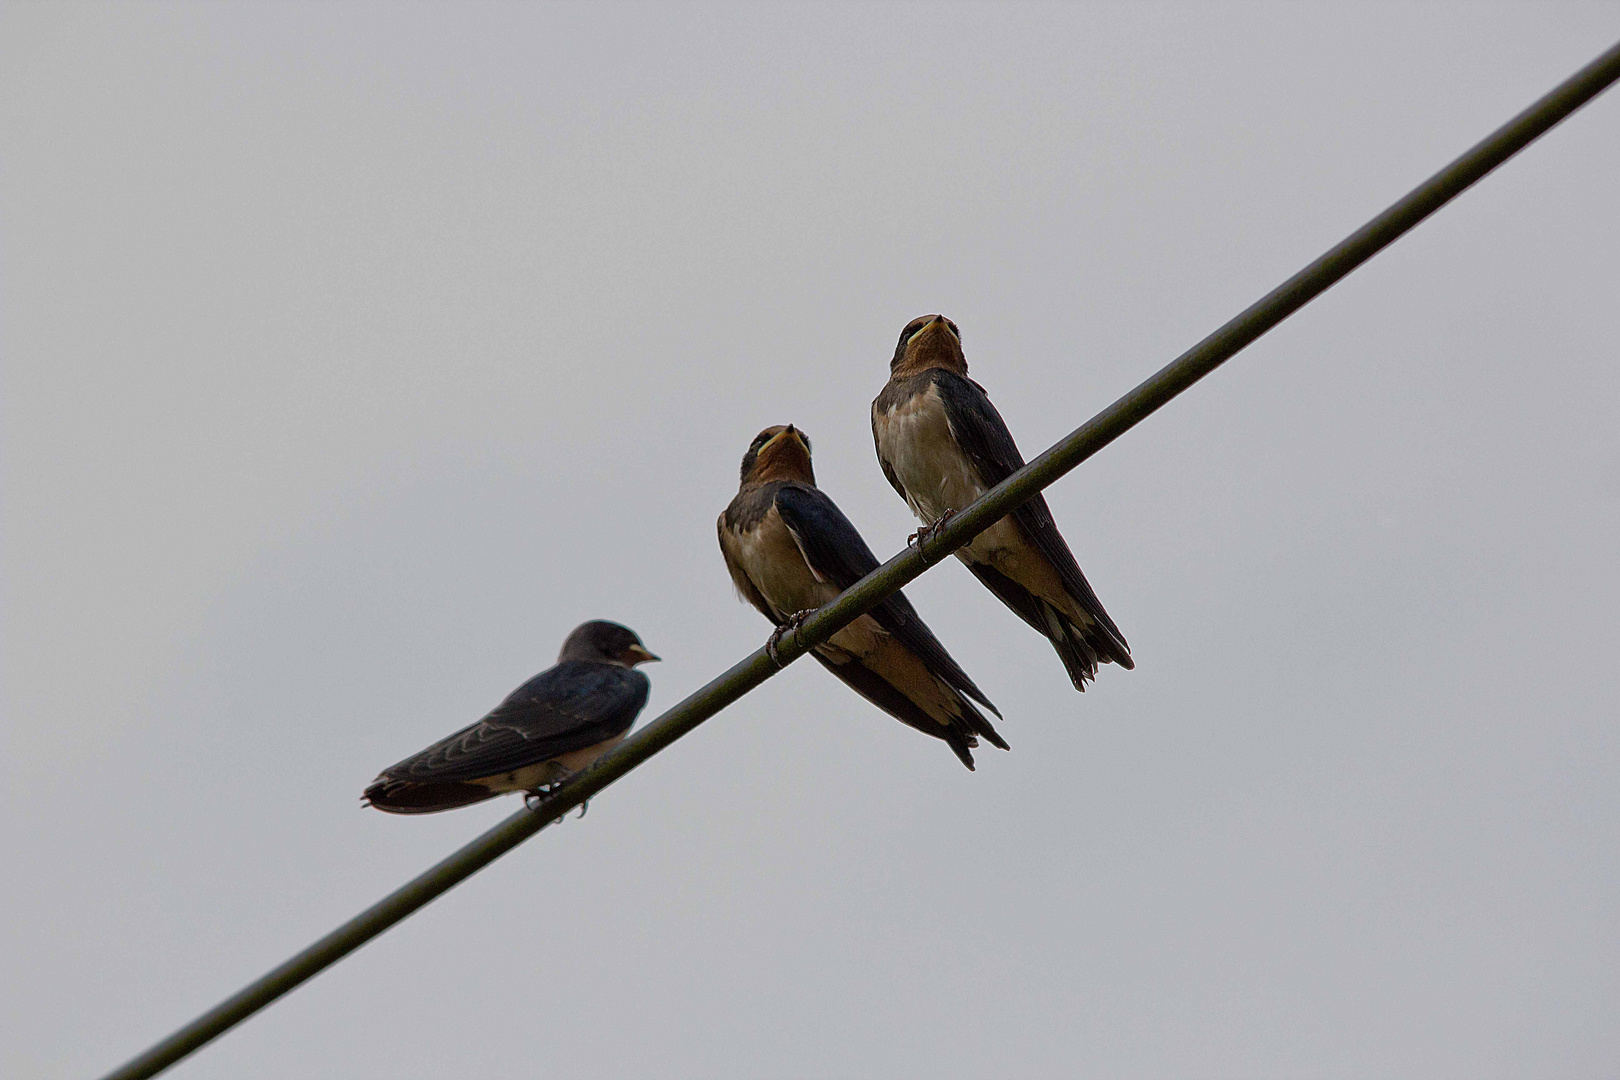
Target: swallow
[(550, 727), (942, 445), (790, 550)]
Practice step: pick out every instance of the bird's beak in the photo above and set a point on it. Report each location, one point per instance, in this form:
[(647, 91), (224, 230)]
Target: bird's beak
[(928, 327), (798, 437), (642, 655)]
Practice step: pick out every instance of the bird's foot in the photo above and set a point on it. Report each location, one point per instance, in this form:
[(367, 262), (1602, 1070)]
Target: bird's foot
[(536, 798), (794, 621), (931, 530)]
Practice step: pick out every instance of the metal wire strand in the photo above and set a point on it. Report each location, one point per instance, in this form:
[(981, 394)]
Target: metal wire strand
[(865, 594)]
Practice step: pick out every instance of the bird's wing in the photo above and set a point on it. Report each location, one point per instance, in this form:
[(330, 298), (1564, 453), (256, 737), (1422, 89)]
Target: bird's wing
[(831, 546), (983, 436), (877, 688), (835, 550), (569, 707)]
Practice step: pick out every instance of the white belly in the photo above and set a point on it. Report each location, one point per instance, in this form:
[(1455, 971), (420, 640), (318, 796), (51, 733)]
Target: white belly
[(777, 569), (527, 778), (915, 441), (541, 773)]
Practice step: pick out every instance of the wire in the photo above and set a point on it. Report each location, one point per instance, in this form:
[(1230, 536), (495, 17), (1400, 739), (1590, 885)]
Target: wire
[(865, 594)]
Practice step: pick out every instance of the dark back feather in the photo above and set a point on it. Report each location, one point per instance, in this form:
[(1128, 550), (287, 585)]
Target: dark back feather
[(983, 436), (834, 548), (576, 704)]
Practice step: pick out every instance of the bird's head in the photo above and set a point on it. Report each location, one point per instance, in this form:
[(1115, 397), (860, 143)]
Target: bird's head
[(605, 643), (778, 453), (928, 341)]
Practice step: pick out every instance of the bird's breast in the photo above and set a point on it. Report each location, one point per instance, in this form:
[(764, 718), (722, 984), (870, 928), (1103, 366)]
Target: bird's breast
[(915, 441), (776, 566)]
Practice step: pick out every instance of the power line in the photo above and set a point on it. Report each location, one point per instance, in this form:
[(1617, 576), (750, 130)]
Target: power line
[(865, 594)]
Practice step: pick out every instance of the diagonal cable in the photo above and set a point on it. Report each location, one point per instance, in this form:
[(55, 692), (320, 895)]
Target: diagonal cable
[(865, 594)]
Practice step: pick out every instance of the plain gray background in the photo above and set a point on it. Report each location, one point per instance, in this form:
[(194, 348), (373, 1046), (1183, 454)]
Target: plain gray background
[(353, 354)]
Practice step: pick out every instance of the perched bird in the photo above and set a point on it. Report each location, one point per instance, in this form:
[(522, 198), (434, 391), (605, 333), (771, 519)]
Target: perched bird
[(942, 445), (790, 550), (556, 723)]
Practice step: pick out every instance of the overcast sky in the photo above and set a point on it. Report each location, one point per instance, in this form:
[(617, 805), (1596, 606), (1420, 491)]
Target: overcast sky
[(353, 354)]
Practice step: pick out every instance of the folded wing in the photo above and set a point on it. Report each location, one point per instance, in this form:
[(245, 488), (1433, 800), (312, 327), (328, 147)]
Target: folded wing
[(835, 550), (570, 707), (983, 436)]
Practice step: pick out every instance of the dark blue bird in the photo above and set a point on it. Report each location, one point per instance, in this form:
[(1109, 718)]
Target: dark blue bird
[(942, 445), (790, 550), (556, 723)]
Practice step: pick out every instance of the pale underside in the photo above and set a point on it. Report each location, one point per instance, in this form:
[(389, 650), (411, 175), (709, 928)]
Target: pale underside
[(541, 773), (916, 442), (777, 570)]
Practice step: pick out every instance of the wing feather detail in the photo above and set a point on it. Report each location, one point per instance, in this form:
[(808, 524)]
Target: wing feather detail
[(983, 436), (834, 550), (572, 706)]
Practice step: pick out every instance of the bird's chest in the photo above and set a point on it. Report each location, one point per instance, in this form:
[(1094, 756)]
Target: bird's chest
[(915, 441), (777, 568)]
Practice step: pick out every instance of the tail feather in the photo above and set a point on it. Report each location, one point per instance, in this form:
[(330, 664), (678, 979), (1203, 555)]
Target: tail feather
[(982, 726), (1082, 649), (429, 797), (1079, 658), (961, 734)]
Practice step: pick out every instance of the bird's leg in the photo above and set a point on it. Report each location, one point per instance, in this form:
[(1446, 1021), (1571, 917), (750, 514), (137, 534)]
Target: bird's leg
[(536, 798), (793, 622), (931, 530)]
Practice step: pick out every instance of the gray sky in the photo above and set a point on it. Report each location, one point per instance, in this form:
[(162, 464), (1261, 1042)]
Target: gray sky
[(354, 354)]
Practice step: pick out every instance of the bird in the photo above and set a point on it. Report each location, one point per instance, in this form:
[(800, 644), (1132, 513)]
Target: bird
[(553, 725), (942, 444), (790, 550)]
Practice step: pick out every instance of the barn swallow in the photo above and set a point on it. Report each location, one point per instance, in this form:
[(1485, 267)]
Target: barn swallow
[(553, 725), (790, 550), (942, 445)]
